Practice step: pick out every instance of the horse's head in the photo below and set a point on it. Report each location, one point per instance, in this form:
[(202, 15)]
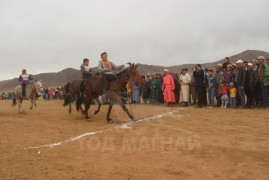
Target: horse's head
[(135, 75), (38, 85)]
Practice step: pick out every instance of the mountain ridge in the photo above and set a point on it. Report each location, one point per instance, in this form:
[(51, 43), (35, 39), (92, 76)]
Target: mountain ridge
[(55, 79)]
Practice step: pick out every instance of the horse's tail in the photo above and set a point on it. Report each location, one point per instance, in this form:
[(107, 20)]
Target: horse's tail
[(78, 103), (67, 98), (14, 101)]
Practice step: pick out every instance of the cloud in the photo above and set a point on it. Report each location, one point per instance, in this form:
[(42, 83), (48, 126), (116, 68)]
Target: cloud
[(46, 36)]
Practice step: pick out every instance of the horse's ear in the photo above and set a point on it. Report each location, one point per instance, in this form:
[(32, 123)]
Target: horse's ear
[(136, 66)]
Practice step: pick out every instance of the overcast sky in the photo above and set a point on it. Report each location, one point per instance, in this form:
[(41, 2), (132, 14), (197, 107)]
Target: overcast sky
[(50, 35)]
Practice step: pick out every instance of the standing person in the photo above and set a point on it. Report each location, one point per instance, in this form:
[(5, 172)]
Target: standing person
[(250, 86), (161, 97), (245, 64), (234, 67), (168, 88), (106, 67), (266, 78), (192, 90), (47, 93), (204, 90), (225, 64), (228, 75), (198, 74), (262, 91), (218, 80), (147, 89), (232, 95), (143, 90), (211, 87), (224, 94), (24, 80), (254, 64), (136, 94), (177, 87), (185, 80), (240, 79), (50, 94), (155, 86), (129, 88)]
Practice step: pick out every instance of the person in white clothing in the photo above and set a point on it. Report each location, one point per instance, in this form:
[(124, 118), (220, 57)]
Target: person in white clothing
[(185, 80)]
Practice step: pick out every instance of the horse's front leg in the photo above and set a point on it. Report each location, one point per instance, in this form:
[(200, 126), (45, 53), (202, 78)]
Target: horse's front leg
[(116, 97), (21, 110), (32, 103), (127, 112)]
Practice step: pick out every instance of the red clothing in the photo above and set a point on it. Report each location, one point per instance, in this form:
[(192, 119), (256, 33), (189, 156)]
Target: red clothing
[(168, 88), (224, 89)]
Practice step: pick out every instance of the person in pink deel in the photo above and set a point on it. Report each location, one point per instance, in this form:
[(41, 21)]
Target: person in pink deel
[(168, 88)]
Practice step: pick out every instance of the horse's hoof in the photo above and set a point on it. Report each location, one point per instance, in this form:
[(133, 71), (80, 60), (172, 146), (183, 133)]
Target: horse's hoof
[(31, 108), (109, 120), (96, 112), (132, 118)]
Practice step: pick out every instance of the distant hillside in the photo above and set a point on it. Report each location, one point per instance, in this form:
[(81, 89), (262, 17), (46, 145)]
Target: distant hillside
[(245, 56), (48, 79), (69, 74)]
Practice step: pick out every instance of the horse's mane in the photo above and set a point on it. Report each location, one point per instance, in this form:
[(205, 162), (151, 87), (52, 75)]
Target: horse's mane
[(122, 70)]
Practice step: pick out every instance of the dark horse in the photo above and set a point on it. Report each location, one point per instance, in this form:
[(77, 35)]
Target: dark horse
[(73, 90), (94, 88)]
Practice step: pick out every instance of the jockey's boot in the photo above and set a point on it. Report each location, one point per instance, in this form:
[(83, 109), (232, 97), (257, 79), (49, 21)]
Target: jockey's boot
[(23, 93), (105, 85)]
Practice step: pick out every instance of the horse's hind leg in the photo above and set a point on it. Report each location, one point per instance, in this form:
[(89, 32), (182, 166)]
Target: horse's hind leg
[(87, 107), (99, 106), (108, 113)]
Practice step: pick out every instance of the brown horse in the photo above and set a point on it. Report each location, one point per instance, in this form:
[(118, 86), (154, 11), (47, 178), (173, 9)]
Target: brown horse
[(94, 88), (73, 90)]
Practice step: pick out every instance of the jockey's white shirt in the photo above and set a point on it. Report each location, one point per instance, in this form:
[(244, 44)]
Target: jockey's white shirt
[(25, 77), (87, 68)]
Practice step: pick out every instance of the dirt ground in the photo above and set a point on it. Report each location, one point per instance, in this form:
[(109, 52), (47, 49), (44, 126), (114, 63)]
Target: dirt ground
[(175, 143)]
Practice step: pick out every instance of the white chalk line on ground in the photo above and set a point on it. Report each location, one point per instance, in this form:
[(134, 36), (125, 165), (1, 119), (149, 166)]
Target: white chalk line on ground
[(122, 126)]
